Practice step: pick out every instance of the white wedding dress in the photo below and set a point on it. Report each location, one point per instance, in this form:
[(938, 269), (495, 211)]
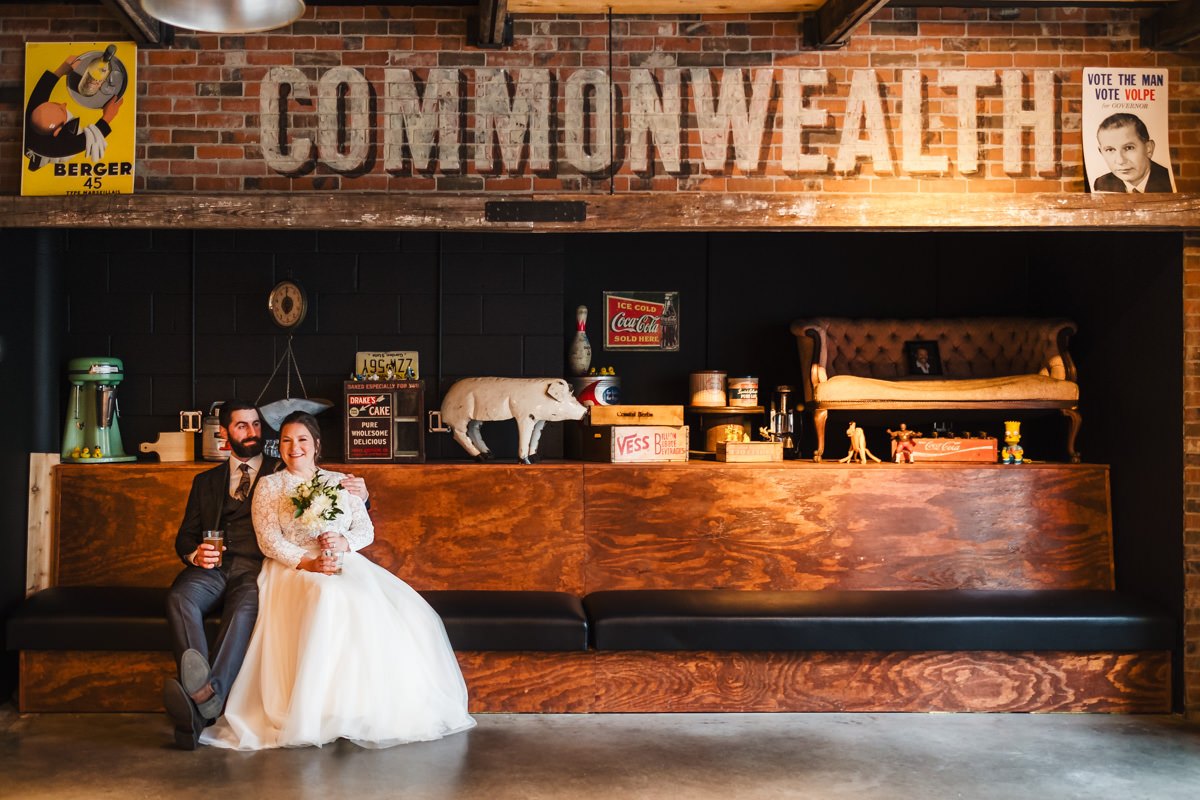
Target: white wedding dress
[(359, 656)]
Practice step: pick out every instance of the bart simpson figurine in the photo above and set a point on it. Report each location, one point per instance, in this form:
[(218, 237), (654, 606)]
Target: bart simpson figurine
[(1012, 453)]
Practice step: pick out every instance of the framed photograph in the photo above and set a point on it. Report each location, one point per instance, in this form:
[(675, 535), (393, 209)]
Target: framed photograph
[(922, 357)]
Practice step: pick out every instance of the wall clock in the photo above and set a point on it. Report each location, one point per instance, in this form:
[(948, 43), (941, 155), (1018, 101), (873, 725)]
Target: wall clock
[(288, 304)]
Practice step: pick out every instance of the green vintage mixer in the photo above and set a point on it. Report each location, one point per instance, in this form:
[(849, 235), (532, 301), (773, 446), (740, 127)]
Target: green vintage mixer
[(91, 435)]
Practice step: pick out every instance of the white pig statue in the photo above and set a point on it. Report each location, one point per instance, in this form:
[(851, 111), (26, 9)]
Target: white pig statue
[(532, 402)]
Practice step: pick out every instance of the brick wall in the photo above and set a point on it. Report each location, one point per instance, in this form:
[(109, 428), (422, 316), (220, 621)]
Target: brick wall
[(199, 126), (1191, 443)]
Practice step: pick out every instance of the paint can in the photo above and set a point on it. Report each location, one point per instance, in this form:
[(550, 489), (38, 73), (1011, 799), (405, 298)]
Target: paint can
[(743, 391), (597, 390), (708, 388)]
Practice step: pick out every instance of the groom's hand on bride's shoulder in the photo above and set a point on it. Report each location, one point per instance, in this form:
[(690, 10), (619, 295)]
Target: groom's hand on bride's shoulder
[(355, 486)]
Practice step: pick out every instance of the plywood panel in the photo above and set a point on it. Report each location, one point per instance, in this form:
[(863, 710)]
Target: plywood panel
[(461, 526), (835, 526), (528, 682), (116, 523), (479, 526), (920, 682), (108, 680)]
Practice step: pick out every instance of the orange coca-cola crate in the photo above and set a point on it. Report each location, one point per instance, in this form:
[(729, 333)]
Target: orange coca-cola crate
[(954, 450)]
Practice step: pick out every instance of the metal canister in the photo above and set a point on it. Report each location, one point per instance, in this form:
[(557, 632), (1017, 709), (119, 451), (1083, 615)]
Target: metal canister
[(597, 390), (743, 391), (707, 388), (214, 446)]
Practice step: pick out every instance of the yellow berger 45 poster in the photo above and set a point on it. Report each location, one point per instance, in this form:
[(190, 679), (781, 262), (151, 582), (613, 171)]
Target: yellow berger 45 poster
[(79, 118)]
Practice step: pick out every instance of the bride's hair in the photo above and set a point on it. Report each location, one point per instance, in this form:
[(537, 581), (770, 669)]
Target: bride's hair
[(308, 421)]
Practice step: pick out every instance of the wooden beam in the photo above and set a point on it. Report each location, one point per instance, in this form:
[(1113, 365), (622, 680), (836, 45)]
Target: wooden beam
[(620, 212), (40, 556), (666, 7), (837, 19), (143, 28), (495, 30), (1173, 26)]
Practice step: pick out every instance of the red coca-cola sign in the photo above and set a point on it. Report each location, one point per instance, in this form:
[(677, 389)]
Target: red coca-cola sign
[(641, 320)]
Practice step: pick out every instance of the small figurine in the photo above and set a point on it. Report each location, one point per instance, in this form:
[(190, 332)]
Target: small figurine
[(858, 446), (902, 445), (87, 453), (76, 453), (1012, 453)]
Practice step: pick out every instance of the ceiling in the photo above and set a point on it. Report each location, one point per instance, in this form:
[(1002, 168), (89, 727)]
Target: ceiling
[(1169, 24)]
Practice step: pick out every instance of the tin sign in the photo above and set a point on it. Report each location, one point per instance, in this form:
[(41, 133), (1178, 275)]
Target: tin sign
[(369, 425), (641, 321)]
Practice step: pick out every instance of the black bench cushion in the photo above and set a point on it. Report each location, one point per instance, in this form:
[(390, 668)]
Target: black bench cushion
[(134, 618), (876, 620), (94, 618), (510, 620)]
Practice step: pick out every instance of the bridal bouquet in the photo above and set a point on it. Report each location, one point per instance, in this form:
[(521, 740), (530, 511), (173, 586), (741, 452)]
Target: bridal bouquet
[(316, 503)]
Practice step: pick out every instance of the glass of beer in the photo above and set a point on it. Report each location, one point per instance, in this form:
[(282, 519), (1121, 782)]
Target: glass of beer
[(335, 555), (217, 540)]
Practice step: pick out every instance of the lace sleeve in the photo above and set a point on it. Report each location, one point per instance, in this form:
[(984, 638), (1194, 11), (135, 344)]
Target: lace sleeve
[(265, 512), (362, 530)]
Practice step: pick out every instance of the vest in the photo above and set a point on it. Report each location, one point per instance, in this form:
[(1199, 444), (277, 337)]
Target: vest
[(239, 529)]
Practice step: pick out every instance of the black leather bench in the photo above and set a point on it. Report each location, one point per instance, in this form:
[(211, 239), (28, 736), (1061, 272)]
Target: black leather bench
[(134, 618), (876, 620)]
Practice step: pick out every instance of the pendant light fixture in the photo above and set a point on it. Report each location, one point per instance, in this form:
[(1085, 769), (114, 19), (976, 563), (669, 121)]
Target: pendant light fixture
[(225, 16)]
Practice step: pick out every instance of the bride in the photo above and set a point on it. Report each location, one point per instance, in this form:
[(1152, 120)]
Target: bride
[(357, 654)]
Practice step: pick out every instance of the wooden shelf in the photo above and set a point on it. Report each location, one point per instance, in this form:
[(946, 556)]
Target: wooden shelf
[(605, 212)]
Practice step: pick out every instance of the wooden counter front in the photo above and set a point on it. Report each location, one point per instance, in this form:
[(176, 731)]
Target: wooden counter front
[(575, 527)]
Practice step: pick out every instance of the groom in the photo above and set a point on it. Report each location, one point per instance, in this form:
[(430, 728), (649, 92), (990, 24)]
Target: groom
[(220, 499)]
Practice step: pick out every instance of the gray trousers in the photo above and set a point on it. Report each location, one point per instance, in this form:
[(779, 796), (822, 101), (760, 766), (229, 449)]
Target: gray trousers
[(232, 587)]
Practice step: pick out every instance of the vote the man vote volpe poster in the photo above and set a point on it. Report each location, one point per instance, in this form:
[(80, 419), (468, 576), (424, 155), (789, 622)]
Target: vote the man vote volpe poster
[(1125, 130), (79, 118)]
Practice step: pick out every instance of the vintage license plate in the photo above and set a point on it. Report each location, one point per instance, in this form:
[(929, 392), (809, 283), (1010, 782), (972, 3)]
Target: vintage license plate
[(378, 363)]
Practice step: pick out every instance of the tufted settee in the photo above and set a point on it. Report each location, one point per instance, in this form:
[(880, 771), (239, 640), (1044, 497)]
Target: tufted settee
[(989, 363)]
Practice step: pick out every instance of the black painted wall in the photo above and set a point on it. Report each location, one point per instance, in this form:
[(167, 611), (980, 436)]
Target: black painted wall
[(186, 311)]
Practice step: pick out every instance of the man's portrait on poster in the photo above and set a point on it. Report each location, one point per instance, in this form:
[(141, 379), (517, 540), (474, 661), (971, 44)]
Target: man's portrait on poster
[(1128, 149), (923, 358)]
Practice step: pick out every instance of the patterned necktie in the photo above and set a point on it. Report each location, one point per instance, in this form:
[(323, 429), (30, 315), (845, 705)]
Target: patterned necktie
[(243, 488)]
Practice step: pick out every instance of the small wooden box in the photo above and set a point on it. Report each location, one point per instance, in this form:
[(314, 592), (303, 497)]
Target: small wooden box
[(954, 450), (749, 451), (629, 444), (635, 415)]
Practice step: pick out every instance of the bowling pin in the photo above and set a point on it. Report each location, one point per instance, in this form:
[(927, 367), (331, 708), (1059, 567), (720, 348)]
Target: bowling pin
[(579, 354)]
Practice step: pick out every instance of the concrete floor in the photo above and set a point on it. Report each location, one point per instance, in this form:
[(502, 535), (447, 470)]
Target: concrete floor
[(690, 757)]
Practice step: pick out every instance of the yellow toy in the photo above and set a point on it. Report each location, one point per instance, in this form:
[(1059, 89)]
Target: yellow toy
[(1012, 453)]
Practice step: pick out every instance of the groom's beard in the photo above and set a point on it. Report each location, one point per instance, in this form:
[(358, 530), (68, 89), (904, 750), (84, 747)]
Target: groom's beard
[(246, 448)]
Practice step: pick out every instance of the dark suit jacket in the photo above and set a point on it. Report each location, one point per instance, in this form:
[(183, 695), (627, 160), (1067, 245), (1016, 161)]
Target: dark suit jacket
[(205, 503), (1160, 181), (70, 139)]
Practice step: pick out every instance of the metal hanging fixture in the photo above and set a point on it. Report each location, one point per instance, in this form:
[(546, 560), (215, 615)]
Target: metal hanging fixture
[(225, 16)]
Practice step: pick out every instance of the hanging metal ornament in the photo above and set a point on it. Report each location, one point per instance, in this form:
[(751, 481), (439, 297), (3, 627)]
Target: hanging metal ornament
[(274, 413)]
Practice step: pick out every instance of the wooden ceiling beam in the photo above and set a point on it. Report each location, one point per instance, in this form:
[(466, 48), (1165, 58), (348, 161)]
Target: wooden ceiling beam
[(833, 23), (599, 213), (664, 7), (141, 27), (1171, 27), (495, 24)]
